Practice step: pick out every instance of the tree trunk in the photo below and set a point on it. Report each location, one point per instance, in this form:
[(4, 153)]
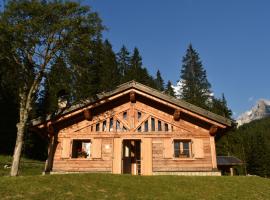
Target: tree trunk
[(18, 149), (49, 161)]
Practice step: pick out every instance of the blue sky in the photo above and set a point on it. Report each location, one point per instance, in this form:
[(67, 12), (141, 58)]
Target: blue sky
[(232, 38)]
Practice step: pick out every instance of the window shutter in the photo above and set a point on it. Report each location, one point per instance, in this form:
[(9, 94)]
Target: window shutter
[(65, 148), (197, 148), (168, 147), (96, 148)]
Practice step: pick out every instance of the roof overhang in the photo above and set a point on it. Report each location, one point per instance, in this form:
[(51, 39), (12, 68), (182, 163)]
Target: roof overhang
[(140, 89)]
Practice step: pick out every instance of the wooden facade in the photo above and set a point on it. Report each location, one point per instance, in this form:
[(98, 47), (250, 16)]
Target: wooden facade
[(136, 130)]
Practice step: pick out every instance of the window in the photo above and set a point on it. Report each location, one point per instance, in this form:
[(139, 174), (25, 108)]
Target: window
[(125, 115), (159, 126), (166, 127), (140, 129), (81, 149), (111, 124), (139, 115), (182, 148), (117, 125), (153, 124), (104, 125), (146, 126), (97, 127)]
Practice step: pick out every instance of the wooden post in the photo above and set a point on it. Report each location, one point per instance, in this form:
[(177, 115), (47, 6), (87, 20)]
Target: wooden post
[(146, 156), (213, 152), (117, 156), (231, 171)]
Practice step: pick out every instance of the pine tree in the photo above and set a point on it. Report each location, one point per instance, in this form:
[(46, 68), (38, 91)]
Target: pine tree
[(220, 107), (159, 82), (196, 88), (110, 76), (123, 61), (169, 90)]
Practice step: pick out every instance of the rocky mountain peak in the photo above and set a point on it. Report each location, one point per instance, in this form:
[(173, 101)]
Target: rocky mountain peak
[(259, 111)]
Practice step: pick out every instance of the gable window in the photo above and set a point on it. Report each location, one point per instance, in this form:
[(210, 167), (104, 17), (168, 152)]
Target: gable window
[(117, 125), (125, 115), (182, 148), (153, 124), (81, 149), (111, 124), (146, 126), (139, 115), (159, 126), (166, 127), (97, 127), (104, 125)]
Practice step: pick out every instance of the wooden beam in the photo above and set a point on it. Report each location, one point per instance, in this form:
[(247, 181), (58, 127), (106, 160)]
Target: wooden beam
[(50, 129), (213, 130), (87, 114), (132, 96), (176, 115)]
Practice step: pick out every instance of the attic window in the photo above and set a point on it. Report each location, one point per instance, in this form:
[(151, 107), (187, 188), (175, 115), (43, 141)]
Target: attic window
[(125, 115), (97, 127), (159, 126), (166, 127), (139, 115), (104, 125), (111, 124), (153, 124), (146, 126), (117, 125)]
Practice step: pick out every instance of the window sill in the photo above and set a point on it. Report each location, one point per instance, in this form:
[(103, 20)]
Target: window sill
[(184, 159)]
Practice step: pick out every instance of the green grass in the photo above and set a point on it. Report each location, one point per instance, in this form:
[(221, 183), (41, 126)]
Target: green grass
[(27, 166), (108, 186)]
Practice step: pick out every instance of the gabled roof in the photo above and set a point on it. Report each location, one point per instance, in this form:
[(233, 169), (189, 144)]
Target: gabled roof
[(145, 89)]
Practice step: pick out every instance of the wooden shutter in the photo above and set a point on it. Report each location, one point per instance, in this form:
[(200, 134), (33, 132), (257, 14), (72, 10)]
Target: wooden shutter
[(168, 147), (96, 148), (197, 148), (65, 148)]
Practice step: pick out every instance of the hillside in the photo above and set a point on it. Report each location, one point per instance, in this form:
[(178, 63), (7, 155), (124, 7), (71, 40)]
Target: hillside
[(108, 186), (251, 143)]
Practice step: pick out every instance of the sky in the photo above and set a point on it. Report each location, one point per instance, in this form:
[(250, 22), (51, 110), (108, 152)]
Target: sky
[(231, 37)]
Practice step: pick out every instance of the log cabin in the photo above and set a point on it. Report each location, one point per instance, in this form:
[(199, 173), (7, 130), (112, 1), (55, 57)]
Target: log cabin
[(133, 129)]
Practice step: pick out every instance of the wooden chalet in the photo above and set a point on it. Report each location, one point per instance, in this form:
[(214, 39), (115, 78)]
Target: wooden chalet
[(135, 130)]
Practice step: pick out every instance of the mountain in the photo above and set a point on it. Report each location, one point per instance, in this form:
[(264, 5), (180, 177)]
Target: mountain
[(259, 111)]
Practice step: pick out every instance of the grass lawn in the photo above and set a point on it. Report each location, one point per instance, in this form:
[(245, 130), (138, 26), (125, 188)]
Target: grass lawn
[(108, 186)]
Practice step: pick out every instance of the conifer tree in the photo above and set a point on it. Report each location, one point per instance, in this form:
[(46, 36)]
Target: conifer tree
[(109, 75), (123, 61), (159, 81), (196, 88), (169, 89), (219, 106)]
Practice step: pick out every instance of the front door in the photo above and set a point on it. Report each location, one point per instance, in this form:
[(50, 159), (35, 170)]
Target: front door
[(131, 158)]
